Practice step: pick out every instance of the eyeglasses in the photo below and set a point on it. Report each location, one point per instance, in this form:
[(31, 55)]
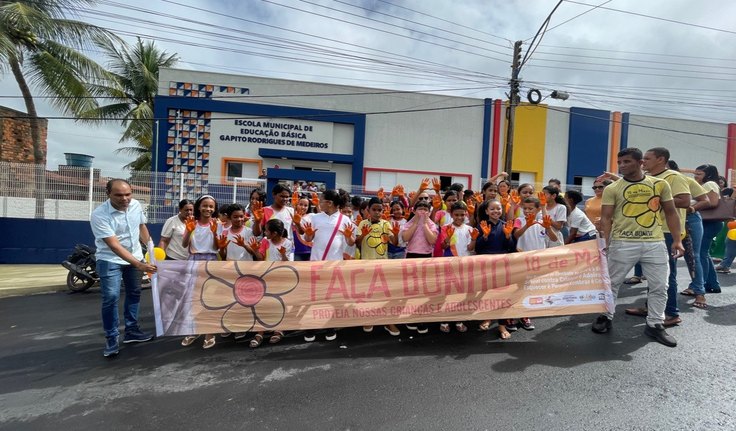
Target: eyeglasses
[(598, 187), (424, 198)]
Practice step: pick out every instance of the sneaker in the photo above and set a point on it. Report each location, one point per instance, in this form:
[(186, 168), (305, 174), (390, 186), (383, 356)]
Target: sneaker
[(331, 335), (309, 337), (111, 347), (526, 323), (602, 324), (723, 269), (240, 335), (393, 330), (660, 335), (411, 327), (511, 325), (137, 336), (367, 329), (422, 328)]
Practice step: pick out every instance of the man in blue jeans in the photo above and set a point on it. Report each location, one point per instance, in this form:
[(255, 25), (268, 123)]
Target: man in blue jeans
[(118, 226)]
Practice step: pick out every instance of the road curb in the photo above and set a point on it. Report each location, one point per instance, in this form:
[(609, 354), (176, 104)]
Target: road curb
[(8, 292)]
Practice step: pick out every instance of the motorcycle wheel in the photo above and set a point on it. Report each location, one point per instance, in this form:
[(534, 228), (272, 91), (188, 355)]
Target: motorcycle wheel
[(76, 283)]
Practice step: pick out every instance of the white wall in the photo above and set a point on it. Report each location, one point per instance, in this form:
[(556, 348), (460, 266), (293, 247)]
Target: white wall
[(555, 147), (689, 151), (54, 209)]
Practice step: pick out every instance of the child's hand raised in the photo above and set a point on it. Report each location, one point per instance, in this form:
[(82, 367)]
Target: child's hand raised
[(474, 234), (282, 251), (485, 228), (295, 199), (213, 227), (348, 231), (297, 217), (436, 185), (395, 228), (436, 202), (515, 198), (190, 224), (308, 229), (546, 221), (471, 207), (365, 230), (315, 199), (222, 241), (381, 194), (239, 240), (253, 245), (424, 185), (508, 228), (531, 219), (542, 198), (358, 219), (450, 231)]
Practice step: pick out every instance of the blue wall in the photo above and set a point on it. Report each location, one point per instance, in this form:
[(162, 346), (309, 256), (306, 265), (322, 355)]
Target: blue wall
[(47, 241), (587, 151)]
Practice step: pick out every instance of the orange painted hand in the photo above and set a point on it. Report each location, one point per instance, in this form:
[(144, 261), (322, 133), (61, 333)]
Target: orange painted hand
[(437, 202), (358, 219), (474, 234), (294, 199), (478, 197), (282, 251), (297, 217), (365, 230), (436, 185), (547, 221), (450, 232), (504, 203), (471, 207), (257, 211), (531, 219), (239, 240), (424, 185), (190, 224), (348, 231), (508, 228), (515, 198), (542, 198), (395, 228), (213, 227), (222, 241), (386, 215), (412, 195), (315, 199), (381, 194), (485, 228), (308, 229), (384, 238), (253, 245)]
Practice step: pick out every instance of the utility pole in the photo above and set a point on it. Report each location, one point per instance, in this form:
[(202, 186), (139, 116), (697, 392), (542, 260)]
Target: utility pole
[(513, 102)]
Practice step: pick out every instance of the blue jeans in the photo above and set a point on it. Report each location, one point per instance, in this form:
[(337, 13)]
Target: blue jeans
[(730, 253), (671, 310), (694, 225), (111, 274), (711, 228)]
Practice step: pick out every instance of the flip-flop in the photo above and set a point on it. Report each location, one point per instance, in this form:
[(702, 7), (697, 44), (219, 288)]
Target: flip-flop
[(276, 337), (209, 342), (484, 326), (687, 292), (701, 305)]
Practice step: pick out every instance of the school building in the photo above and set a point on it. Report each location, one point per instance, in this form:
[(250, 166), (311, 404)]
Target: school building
[(220, 126)]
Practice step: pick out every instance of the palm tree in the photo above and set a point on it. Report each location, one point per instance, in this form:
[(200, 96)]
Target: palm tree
[(135, 71), (40, 45)]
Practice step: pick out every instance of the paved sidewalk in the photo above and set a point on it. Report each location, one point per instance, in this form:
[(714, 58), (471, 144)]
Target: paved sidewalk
[(31, 279)]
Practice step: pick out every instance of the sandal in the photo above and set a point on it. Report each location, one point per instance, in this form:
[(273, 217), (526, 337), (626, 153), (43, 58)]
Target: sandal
[(445, 327), (188, 340), (460, 326), (485, 325), (503, 333), (687, 292), (256, 341), (700, 302), (276, 337), (209, 342)]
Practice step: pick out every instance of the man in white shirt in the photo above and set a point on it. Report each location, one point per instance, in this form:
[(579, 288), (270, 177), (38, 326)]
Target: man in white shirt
[(118, 226)]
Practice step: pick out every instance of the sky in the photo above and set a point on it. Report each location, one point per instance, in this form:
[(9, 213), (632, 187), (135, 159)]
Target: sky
[(661, 58)]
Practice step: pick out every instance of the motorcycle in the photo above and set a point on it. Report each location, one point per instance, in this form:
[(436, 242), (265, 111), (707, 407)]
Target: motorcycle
[(82, 267)]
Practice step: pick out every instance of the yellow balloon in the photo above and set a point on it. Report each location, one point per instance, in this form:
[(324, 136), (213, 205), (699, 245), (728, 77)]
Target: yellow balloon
[(159, 253), (731, 234)]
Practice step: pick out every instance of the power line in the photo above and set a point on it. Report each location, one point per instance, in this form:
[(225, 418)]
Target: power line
[(674, 21), (580, 14)]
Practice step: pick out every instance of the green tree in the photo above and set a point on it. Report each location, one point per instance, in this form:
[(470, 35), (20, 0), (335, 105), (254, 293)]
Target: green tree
[(130, 99), (42, 47)]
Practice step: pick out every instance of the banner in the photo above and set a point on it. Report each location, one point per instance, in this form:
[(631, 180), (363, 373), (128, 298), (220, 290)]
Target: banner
[(213, 297)]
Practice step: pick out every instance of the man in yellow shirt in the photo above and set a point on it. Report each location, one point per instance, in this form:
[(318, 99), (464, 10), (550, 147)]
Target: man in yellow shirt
[(631, 224)]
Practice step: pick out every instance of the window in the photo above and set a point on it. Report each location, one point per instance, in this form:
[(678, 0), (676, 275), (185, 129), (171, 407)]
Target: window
[(240, 168)]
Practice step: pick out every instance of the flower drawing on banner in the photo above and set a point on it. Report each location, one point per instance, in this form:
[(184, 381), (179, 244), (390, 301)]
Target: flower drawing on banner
[(642, 204), (250, 298)]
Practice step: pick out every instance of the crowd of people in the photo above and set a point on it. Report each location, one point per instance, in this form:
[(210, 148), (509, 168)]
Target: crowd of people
[(643, 218)]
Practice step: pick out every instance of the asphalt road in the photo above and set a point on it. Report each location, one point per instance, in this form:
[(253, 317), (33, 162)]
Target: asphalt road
[(559, 377)]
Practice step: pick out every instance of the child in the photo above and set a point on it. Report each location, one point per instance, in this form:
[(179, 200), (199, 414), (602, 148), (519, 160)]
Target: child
[(398, 216), (458, 240), (201, 239), (303, 212), (442, 217), (374, 235), (581, 228), (420, 234), (530, 235), (515, 199), (495, 239), (223, 218), (278, 209), (556, 208), (274, 247), (329, 231)]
